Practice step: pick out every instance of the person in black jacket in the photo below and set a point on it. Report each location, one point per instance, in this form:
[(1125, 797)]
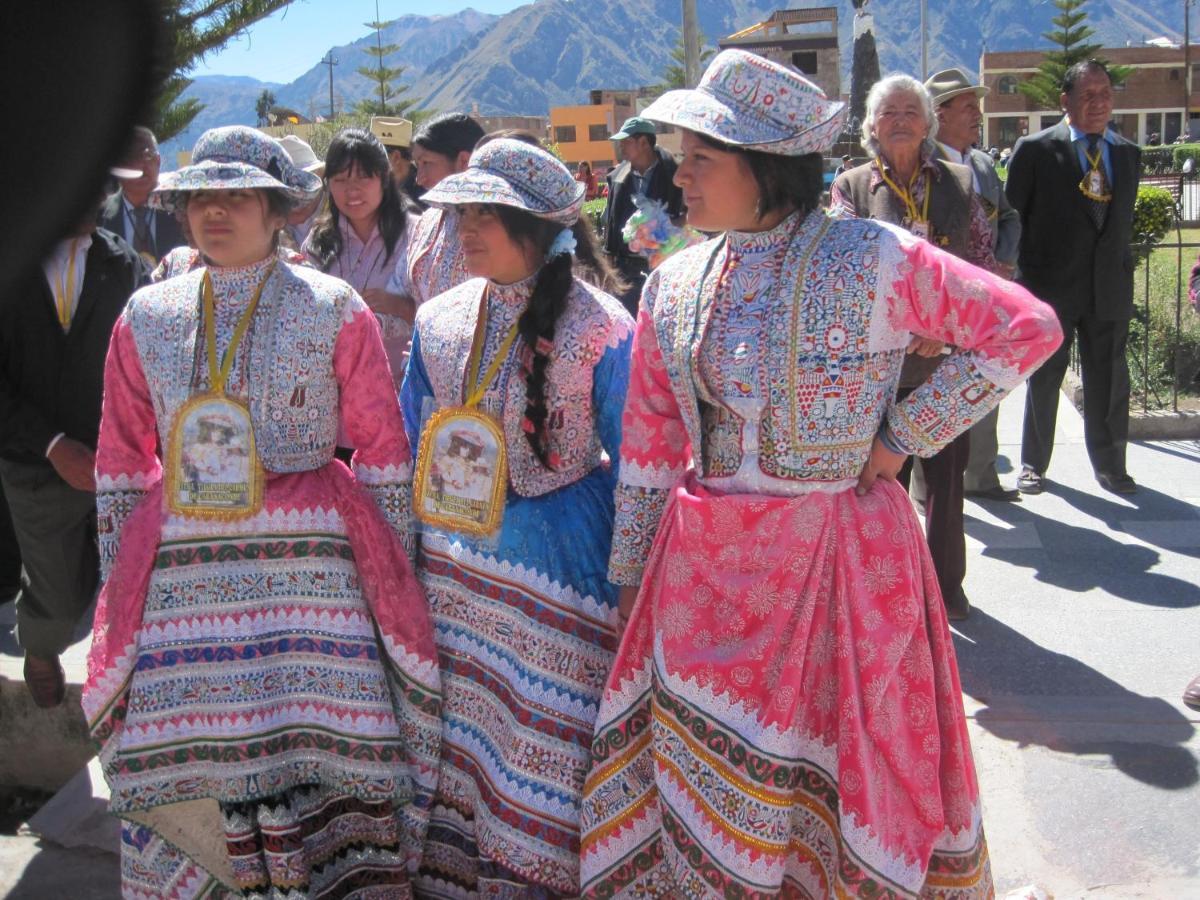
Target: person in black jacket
[(54, 332), (1074, 185), (645, 169), (151, 232)]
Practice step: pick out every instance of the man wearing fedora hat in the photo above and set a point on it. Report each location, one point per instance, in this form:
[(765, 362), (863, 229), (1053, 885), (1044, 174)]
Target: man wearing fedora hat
[(648, 170), (396, 136), (956, 101)]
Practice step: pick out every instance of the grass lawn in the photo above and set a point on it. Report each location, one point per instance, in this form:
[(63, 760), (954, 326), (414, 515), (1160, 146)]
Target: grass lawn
[(1174, 350)]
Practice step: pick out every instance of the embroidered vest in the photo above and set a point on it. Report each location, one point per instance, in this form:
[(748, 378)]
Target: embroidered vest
[(833, 337), (592, 323), (292, 389)]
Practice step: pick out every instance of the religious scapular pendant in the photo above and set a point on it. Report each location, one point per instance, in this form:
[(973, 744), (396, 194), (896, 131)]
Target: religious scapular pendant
[(1092, 186), (462, 472), (213, 469)]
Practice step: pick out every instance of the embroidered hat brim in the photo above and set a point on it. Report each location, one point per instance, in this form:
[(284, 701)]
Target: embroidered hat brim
[(480, 186), (215, 175), (753, 103)]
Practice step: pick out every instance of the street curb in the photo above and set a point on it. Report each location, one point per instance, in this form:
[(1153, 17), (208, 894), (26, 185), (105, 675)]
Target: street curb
[(1153, 425)]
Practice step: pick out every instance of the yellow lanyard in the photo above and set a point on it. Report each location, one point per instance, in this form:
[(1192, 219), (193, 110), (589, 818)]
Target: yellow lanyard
[(218, 376), (477, 352), (1095, 163), (66, 291), (906, 194)]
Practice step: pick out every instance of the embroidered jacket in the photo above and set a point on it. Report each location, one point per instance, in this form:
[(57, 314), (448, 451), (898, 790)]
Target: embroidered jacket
[(435, 259), (311, 339), (591, 349), (768, 362)]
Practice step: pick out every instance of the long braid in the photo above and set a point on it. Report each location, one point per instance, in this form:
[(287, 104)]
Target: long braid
[(536, 327)]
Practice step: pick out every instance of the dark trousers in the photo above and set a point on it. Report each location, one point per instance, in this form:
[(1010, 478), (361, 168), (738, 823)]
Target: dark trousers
[(10, 554), (944, 510), (56, 530), (1105, 396), (634, 270)]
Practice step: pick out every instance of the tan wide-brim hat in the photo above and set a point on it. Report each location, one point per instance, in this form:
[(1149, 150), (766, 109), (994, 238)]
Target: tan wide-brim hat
[(302, 154), (392, 132), (949, 83)]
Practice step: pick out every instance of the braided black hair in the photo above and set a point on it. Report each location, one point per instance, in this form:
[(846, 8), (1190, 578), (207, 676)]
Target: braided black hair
[(547, 302)]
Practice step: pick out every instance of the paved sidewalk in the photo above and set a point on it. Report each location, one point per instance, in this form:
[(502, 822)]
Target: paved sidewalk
[(1083, 635)]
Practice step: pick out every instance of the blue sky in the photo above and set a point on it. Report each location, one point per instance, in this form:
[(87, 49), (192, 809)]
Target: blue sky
[(284, 46)]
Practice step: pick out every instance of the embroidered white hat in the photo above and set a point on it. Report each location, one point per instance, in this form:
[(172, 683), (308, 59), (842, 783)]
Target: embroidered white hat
[(513, 173), (753, 103)]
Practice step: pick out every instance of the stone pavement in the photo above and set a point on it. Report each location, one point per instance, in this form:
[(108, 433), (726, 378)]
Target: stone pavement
[(1084, 632)]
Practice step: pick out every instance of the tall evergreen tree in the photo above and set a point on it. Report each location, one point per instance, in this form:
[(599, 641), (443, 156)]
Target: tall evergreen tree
[(390, 99), (675, 75), (263, 105), (1071, 45), (198, 27)]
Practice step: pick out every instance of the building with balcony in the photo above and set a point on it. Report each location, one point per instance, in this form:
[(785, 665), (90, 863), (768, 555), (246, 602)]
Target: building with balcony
[(1150, 101)]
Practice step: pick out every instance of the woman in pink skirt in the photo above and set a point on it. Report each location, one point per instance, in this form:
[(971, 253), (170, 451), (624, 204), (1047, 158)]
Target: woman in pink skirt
[(784, 716)]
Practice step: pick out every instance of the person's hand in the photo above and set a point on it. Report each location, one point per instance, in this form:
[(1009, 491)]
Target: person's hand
[(923, 346), (626, 597), (380, 301), (882, 463), (75, 464)]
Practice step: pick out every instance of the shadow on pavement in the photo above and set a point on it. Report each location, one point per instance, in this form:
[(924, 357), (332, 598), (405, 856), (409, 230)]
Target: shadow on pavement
[(78, 873), (1081, 559), (1036, 696)]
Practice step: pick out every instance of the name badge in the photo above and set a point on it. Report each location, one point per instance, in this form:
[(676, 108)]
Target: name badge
[(462, 472)]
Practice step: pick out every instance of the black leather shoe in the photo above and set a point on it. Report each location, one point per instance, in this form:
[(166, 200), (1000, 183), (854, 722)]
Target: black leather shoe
[(1191, 694), (999, 492), (958, 607), (1118, 483), (1030, 482)]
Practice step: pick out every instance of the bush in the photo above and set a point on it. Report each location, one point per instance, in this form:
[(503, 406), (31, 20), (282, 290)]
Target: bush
[(593, 210), (1153, 216), (1181, 153)]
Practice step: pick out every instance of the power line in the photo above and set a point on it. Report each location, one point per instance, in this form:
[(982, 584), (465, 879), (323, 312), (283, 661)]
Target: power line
[(330, 61)]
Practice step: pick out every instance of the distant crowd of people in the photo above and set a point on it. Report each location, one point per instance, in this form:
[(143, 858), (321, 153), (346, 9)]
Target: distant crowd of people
[(444, 546)]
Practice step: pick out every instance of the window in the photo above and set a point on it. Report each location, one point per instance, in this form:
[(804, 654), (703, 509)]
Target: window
[(598, 132), (805, 61), (564, 134), (1006, 85)]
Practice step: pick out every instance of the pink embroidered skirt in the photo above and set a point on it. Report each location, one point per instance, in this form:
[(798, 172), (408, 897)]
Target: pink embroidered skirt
[(784, 717)]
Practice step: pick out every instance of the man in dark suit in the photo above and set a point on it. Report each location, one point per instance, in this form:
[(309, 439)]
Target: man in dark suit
[(153, 233), (54, 332), (1074, 185), (645, 169)]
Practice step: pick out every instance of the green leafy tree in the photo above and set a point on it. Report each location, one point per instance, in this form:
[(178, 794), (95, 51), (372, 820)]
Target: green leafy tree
[(1071, 45), (390, 99), (197, 28), (263, 105), (675, 75)]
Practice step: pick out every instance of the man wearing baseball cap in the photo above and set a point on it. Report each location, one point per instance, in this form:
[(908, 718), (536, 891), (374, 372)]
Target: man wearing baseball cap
[(645, 169)]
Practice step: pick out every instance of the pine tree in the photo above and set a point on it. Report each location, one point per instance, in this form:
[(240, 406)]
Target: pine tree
[(1070, 38), (198, 27), (675, 75), (390, 99), (263, 105)]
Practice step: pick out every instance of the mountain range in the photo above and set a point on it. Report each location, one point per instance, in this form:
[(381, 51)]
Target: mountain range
[(552, 52)]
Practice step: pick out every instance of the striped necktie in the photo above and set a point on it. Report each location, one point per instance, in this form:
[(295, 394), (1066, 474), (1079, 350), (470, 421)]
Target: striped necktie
[(1098, 209)]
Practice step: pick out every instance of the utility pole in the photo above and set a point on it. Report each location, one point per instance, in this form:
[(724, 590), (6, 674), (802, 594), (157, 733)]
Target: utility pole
[(691, 45), (330, 61), (924, 39), (1187, 71)]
